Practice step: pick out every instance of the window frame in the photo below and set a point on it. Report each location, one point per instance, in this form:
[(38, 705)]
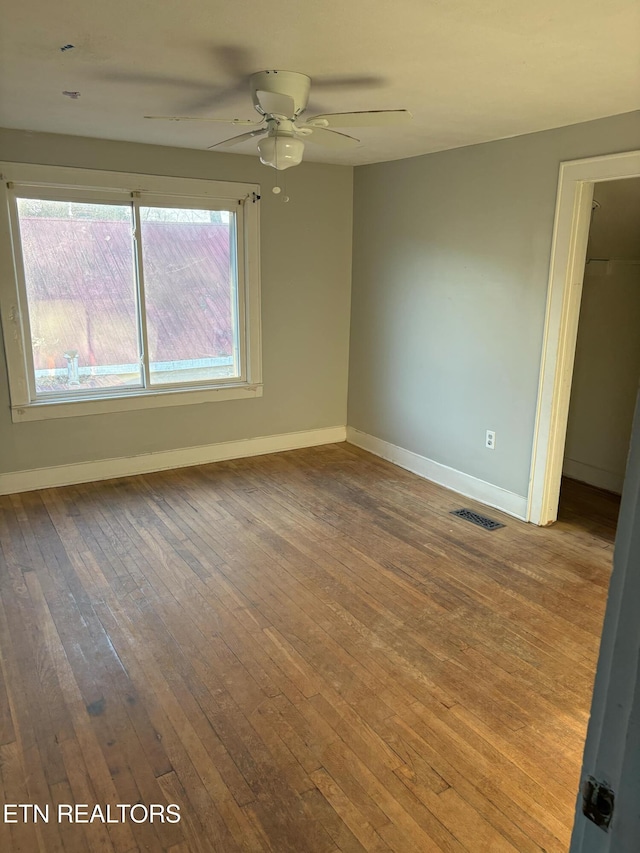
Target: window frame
[(71, 184)]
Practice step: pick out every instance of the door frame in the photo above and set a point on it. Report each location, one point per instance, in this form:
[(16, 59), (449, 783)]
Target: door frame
[(568, 255)]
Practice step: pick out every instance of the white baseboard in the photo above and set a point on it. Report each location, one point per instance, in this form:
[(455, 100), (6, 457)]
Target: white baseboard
[(451, 478), (608, 480), (106, 469)]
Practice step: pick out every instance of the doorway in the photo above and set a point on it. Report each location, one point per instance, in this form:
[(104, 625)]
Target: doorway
[(578, 179), (606, 368)]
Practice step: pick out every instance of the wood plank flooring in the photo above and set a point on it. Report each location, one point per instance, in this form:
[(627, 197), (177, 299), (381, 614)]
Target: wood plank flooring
[(304, 651), (593, 510)]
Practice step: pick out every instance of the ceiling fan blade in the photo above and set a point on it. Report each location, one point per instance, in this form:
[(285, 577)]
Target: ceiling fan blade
[(329, 138), (236, 140), (364, 118), (347, 80), (241, 121), (235, 60), (155, 79), (218, 96), (209, 96), (236, 63)]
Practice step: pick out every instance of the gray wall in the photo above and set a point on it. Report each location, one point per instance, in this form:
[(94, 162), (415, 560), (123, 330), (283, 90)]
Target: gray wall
[(306, 275), (450, 272)]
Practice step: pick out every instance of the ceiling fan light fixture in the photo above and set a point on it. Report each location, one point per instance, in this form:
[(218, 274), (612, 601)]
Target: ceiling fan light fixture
[(281, 152)]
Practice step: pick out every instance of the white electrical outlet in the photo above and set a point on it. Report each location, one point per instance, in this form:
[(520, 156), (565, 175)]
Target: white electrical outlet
[(490, 441)]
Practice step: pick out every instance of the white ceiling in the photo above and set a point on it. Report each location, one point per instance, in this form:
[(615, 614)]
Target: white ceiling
[(468, 70)]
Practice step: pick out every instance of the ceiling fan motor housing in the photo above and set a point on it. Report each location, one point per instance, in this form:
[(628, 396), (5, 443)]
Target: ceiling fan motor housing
[(276, 92)]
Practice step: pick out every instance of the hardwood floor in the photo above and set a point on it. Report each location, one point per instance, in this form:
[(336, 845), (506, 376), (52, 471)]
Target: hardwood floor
[(593, 510), (304, 651)]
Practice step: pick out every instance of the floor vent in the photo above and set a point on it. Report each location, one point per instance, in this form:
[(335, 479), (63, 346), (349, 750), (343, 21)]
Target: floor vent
[(476, 518)]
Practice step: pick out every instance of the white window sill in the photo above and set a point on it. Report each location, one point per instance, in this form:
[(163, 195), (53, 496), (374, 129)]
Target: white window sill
[(45, 409)]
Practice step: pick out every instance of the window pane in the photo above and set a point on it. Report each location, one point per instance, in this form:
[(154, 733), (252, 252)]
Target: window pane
[(190, 294), (79, 274)]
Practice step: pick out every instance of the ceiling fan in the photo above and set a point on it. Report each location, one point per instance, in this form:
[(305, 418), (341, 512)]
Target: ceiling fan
[(280, 97)]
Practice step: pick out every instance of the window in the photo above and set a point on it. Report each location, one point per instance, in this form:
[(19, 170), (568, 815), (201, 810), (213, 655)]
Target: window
[(128, 291)]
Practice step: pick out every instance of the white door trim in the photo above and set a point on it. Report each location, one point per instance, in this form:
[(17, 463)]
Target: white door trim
[(568, 254)]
